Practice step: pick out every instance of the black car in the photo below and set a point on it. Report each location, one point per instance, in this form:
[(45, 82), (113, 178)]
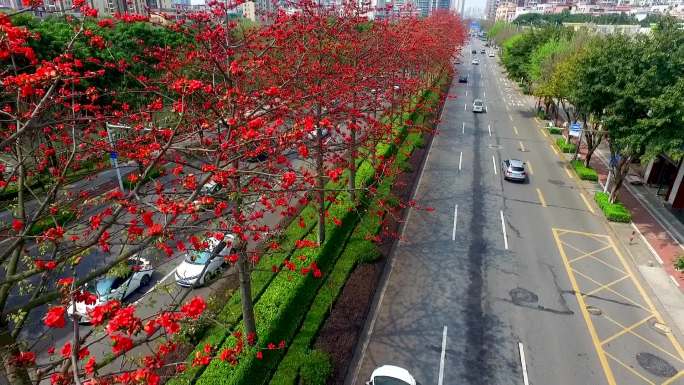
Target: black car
[(463, 79), (482, 52), (474, 51)]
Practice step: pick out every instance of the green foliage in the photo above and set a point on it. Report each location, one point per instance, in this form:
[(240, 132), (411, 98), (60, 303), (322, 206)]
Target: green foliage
[(584, 172), (153, 174), (614, 212), (62, 217), (316, 369), (564, 146), (554, 130), (557, 19), (679, 263)]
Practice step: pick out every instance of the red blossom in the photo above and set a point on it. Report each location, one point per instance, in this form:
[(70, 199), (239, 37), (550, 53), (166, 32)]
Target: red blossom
[(120, 343), (194, 308), (54, 317)]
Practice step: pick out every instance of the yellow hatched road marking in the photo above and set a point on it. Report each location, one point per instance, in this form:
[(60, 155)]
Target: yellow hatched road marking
[(544, 133), (585, 314), (672, 379), (630, 369), (632, 332), (515, 129), (567, 171), (554, 149), (627, 330), (589, 254), (606, 286), (522, 146), (633, 302)]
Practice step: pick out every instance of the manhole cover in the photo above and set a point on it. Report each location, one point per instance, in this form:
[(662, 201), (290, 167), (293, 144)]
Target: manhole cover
[(593, 310), (495, 146), (655, 365), (660, 327), (520, 295)]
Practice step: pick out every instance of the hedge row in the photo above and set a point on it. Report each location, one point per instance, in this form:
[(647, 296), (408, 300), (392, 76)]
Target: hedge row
[(614, 212), (63, 216), (584, 172), (359, 249), (564, 146), (555, 130)]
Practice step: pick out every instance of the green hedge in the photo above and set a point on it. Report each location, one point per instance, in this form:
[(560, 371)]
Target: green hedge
[(564, 146), (584, 172), (614, 212), (316, 369), (555, 130)]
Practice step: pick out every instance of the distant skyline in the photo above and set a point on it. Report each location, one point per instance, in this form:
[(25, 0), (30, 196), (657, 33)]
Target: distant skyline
[(472, 7)]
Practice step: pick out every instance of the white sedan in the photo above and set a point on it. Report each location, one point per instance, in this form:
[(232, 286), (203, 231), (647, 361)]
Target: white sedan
[(123, 281), (193, 269), (391, 375), (475, 62)]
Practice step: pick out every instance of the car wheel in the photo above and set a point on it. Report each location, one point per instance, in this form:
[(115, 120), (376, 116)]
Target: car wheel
[(144, 281)]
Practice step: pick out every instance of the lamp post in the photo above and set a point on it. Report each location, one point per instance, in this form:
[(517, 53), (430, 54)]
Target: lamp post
[(113, 156)]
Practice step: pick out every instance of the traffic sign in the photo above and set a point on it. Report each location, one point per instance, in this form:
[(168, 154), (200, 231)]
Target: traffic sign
[(113, 155), (575, 130)]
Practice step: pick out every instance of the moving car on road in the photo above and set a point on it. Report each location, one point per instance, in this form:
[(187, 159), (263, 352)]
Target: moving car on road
[(478, 106), (482, 51), (463, 78), (491, 53), (192, 267), (475, 62), (514, 170), (474, 51), (123, 280), (391, 375)]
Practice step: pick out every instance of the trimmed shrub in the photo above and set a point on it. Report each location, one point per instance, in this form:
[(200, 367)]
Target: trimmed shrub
[(564, 146), (584, 172), (555, 130), (614, 212), (316, 368)]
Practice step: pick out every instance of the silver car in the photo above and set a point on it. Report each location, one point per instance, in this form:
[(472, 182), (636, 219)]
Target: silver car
[(514, 170), (478, 106)]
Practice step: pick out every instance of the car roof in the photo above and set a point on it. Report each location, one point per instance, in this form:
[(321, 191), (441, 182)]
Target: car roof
[(477, 100), (516, 162)]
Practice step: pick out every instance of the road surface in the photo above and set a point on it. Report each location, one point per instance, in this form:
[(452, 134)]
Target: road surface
[(508, 283)]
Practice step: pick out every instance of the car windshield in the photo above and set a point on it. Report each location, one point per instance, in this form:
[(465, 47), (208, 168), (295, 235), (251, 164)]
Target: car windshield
[(478, 103), (105, 285), (384, 380), (518, 169), (198, 257)]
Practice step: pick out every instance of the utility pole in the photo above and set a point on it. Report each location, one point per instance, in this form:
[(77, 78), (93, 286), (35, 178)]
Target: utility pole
[(113, 156)]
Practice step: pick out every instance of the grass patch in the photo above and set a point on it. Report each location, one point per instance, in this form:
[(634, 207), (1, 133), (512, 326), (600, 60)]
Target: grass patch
[(584, 172), (63, 216), (554, 130), (564, 146), (614, 212)]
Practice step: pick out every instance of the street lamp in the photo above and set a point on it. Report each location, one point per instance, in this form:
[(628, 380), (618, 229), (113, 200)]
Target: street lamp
[(113, 156)]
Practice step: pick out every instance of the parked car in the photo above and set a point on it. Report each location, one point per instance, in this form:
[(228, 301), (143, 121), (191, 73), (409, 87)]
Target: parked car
[(192, 268), (491, 53), (463, 78), (391, 375), (482, 51), (478, 106), (132, 275), (475, 62), (205, 197), (474, 51), (514, 170)]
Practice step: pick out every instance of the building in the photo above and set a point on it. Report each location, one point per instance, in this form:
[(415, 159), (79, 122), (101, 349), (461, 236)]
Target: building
[(490, 9), (506, 11)]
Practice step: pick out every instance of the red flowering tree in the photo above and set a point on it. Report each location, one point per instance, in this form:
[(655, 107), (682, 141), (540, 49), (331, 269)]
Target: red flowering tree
[(236, 124)]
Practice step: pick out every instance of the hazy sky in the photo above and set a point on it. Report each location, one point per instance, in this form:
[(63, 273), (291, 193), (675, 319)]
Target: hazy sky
[(473, 4)]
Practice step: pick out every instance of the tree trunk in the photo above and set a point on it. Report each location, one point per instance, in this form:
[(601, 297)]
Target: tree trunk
[(619, 174), (246, 295), (321, 186), (8, 351), (352, 162)]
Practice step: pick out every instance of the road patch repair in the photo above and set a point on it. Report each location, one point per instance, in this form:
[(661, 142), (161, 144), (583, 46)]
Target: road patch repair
[(633, 343)]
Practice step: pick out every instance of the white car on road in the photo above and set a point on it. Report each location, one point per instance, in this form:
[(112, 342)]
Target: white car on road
[(121, 283), (192, 267), (478, 106), (391, 375), (475, 62)]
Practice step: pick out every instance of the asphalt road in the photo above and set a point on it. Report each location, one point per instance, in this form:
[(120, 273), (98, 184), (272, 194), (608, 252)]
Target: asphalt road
[(499, 268)]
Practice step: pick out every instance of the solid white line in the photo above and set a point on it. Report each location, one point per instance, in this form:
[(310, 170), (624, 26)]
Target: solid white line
[(156, 285), (494, 164), (523, 364), (503, 228), (463, 128), (453, 231), (489, 128), (650, 248), (460, 160), (674, 281), (440, 379)]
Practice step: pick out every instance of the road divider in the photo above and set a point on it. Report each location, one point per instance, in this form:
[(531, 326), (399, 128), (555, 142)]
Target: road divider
[(503, 229)]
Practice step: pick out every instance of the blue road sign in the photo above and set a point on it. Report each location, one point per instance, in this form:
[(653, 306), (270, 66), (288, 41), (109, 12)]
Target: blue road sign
[(575, 129), (112, 155)]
